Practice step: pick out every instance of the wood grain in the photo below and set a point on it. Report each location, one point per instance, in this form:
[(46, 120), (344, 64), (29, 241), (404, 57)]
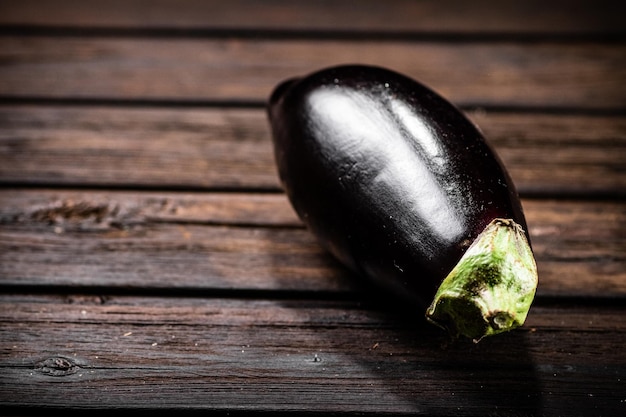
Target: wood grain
[(158, 353), (545, 74), (217, 148), (246, 242), (210, 148), (150, 264), (391, 16)]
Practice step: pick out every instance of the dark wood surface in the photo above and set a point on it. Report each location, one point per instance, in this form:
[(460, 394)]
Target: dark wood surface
[(149, 261)]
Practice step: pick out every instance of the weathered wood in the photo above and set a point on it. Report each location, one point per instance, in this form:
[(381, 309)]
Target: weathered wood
[(194, 302), (391, 16), (210, 148), (84, 210), (583, 75), (253, 242), (231, 148), (555, 154), (263, 355)]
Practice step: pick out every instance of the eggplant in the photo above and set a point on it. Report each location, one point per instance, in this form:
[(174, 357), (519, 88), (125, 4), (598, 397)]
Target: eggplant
[(403, 189)]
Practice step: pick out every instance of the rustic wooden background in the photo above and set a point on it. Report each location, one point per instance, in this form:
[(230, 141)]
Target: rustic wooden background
[(150, 262)]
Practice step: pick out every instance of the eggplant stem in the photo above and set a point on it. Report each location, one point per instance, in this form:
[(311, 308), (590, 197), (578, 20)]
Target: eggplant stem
[(491, 288)]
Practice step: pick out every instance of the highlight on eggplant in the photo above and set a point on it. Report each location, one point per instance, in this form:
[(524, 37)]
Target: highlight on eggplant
[(403, 189)]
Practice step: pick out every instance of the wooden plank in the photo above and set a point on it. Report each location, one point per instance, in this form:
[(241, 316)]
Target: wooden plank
[(292, 356), (105, 210), (236, 309), (554, 154), (231, 148), (222, 242), (580, 75), (172, 147), (391, 16)]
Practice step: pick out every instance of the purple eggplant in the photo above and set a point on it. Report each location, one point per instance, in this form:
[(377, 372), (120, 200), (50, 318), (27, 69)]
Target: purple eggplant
[(403, 189)]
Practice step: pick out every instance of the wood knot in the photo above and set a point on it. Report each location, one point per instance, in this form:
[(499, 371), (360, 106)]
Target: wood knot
[(57, 366), (73, 212)]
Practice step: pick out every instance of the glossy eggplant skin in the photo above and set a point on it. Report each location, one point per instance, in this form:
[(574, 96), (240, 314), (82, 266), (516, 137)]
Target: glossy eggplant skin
[(390, 177)]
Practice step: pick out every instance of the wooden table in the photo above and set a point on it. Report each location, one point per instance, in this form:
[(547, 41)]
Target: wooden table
[(150, 262)]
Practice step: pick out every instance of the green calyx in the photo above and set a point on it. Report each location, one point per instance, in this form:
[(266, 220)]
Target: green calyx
[(491, 288)]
